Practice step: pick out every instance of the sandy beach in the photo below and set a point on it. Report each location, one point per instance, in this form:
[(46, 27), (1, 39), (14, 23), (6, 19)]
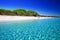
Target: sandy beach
[(19, 18)]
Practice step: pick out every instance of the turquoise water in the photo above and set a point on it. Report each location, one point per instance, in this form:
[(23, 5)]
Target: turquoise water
[(44, 29)]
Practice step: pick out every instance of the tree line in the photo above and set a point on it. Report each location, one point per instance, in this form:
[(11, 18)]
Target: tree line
[(18, 12)]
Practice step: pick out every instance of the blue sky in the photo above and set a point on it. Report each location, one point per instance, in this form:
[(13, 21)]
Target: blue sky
[(43, 7)]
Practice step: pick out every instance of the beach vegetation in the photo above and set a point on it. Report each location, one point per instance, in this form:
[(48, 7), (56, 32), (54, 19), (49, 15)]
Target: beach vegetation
[(19, 12)]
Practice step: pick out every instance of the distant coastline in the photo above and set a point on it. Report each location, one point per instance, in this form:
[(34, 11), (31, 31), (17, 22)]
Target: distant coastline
[(21, 15), (7, 18), (22, 12), (51, 16)]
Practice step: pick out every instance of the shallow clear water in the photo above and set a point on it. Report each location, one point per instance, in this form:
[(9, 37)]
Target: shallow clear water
[(44, 29)]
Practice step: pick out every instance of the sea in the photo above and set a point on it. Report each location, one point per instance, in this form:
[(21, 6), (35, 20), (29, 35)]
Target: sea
[(40, 29)]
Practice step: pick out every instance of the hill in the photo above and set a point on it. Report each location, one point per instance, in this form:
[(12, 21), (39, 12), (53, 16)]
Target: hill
[(18, 12)]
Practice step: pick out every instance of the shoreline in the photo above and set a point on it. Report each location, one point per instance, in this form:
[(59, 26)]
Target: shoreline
[(4, 18)]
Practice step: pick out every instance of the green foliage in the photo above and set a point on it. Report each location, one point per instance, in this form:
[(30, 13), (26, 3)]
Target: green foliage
[(20, 12), (32, 13)]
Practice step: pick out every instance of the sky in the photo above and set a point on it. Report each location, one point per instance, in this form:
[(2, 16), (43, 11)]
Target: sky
[(43, 7)]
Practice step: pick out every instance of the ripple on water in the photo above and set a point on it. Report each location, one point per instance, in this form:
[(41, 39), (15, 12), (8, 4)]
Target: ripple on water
[(35, 30)]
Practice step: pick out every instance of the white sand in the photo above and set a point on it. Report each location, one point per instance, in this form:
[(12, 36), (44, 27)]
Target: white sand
[(19, 18)]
